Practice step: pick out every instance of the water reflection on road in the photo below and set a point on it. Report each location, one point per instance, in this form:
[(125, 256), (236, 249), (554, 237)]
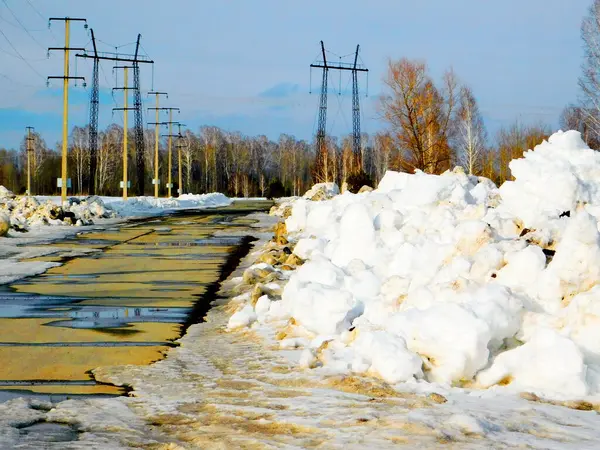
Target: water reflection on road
[(123, 303)]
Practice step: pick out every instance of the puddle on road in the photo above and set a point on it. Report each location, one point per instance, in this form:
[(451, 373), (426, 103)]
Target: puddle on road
[(125, 303)]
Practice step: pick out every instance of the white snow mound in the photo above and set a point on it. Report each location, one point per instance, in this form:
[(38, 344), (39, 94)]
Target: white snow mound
[(450, 280)]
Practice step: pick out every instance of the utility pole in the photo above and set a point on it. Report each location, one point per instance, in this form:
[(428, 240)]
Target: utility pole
[(29, 151), (169, 123), (179, 139), (125, 110), (156, 124), (65, 78)]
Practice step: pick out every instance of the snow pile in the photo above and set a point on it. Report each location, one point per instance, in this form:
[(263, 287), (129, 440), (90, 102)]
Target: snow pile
[(556, 179), (322, 191), (450, 280), (26, 212), (140, 206)]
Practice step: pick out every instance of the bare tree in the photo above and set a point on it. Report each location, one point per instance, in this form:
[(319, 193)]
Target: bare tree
[(79, 155), (470, 133), (578, 118), (514, 141), (108, 159), (420, 115), (589, 81), (382, 156)]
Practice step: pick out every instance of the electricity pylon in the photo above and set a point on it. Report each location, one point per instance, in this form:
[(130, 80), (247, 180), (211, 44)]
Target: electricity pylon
[(93, 126), (354, 68), (156, 181), (65, 78)]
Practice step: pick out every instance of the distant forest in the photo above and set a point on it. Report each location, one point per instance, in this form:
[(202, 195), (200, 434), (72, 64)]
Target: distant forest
[(243, 166)]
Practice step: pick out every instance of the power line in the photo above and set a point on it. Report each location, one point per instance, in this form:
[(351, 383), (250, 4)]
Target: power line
[(36, 10), (20, 56), (43, 17), (17, 82), (21, 24)]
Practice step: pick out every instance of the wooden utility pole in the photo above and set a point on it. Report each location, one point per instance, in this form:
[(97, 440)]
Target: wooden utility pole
[(156, 124), (179, 139), (65, 78), (29, 151), (170, 182), (125, 132), (125, 88), (170, 136)]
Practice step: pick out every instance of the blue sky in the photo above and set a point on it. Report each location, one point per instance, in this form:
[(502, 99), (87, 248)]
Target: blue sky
[(243, 65)]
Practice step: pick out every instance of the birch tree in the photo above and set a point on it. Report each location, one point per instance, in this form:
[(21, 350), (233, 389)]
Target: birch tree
[(470, 133), (589, 81), (79, 156)]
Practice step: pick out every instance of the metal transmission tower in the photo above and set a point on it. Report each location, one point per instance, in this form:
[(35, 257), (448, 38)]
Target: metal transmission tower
[(356, 147), (322, 105), (135, 60), (139, 122), (355, 68), (93, 129)]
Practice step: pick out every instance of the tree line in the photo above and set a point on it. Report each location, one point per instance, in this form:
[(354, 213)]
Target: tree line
[(216, 160)]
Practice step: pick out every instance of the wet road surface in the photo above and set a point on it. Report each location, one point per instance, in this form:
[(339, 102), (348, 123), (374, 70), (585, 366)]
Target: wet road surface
[(123, 303)]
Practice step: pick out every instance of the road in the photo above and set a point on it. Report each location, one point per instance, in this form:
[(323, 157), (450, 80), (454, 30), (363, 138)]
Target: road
[(133, 292)]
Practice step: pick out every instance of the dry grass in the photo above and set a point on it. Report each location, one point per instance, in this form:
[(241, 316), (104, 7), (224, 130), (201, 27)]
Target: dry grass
[(286, 393), (238, 385), (170, 419), (580, 405), (356, 385)]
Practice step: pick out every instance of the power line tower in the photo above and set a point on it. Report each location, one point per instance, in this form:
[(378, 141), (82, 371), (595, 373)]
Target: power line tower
[(135, 60), (93, 127), (355, 68), (139, 122), (66, 77), (156, 180), (29, 141), (356, 140)]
